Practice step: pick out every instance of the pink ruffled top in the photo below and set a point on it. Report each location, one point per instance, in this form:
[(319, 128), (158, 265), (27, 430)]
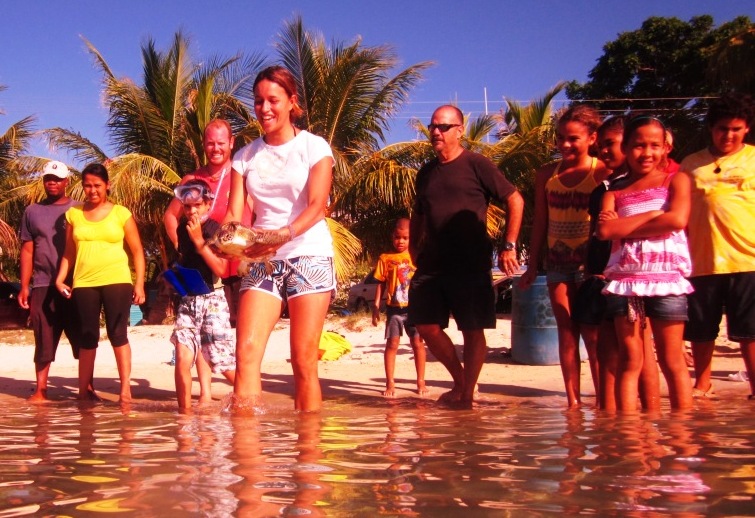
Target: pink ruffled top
[(648, 267)]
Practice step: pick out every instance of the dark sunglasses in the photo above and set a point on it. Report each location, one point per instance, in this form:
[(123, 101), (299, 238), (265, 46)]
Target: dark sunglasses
[(442, 127)]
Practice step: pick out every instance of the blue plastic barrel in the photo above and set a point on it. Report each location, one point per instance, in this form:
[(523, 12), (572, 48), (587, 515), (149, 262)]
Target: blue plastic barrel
[(534, 337)]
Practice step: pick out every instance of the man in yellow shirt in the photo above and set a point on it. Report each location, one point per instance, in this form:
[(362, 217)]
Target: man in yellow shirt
[(721, 238)]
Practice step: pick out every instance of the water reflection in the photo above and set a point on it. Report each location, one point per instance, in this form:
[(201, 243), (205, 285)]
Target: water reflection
[(364, 457)]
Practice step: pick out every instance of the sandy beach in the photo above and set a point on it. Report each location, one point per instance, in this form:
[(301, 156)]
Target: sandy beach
[(359, 373)]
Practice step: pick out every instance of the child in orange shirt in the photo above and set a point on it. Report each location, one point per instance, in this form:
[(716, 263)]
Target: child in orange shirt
[(394, 271)]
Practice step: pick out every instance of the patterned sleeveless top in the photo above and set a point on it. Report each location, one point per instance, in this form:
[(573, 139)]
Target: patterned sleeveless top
[(568, 221), (648, 267)]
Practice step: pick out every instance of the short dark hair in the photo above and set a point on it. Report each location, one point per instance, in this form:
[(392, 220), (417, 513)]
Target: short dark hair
[(612, 124), (98, 170), (731, 105)]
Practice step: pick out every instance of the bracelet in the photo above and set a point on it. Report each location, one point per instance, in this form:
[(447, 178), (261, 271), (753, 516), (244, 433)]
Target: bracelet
[(291, 233)]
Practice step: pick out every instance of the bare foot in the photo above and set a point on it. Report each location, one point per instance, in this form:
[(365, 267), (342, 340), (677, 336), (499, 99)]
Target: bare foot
[(204, 400), (450, 397), (125, 397), (422, 389), (39, 396), (390, 391)]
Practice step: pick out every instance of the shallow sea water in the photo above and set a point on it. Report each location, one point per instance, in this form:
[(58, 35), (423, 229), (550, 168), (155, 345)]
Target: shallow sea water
[(361, 458)]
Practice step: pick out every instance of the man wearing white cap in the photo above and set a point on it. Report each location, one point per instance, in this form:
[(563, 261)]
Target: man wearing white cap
[(43, 239)]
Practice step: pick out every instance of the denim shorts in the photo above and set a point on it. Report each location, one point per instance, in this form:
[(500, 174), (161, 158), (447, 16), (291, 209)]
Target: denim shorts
[(668, 307), (555, 277), (396, 323)]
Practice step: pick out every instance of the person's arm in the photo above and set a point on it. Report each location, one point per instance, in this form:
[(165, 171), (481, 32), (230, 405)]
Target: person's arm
[(170, 220), (137, 252), (508, 261), (376, 304), (539, 227), (26, 268), (677, 215), (611, 226), (217, 265), (236, 198), (69, 257), (416, 234)]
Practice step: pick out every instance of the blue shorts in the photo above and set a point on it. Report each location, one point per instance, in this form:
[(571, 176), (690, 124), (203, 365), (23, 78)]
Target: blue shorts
[(555, 277), (293, 277), (469, 297), (203, 324), (396, 323), (669, 307), (734, 292)]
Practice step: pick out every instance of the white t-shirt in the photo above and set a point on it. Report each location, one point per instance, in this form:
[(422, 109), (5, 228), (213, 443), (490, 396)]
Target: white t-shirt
[(276, 179)]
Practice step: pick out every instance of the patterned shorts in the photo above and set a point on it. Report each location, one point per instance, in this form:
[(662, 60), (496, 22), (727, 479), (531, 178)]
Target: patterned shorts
[(203, 323), (293, 277)]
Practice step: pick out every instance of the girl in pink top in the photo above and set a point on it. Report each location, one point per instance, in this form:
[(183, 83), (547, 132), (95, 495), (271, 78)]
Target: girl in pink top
[(649, 262)]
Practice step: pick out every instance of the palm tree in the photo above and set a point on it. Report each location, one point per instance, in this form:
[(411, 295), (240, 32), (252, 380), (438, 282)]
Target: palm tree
[(13, 145), (156, 127), (350, 94)]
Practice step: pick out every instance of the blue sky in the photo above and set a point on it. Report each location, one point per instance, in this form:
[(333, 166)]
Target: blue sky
[(517, 50)]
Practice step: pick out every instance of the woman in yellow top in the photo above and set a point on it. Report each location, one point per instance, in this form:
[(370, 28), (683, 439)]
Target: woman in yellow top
[(95, 235)]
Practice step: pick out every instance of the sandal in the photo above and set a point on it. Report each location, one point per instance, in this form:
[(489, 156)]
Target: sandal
[(709, 394)]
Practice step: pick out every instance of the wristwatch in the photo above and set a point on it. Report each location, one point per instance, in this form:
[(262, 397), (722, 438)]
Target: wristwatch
[(508, 246)]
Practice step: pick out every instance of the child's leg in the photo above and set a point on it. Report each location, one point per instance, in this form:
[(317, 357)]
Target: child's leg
[(184, 360), (631, 358), (204, 373), (420, 355), (748, 355), (389, 358), (650, 382), (670, 347), (608, 353), (590, 337), (702, 354), (568, 339)]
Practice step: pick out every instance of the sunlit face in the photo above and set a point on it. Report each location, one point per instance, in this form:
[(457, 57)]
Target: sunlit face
[(646, 148), (611, 153), (728, 135), (217, 144), (400, 238), (95, 188), (273, 106), (196, 209), (573, 139), (449, 139), (54, 187)]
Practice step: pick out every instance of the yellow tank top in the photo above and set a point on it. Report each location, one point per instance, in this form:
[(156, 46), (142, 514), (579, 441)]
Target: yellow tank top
[(568, 220), (100, 256)]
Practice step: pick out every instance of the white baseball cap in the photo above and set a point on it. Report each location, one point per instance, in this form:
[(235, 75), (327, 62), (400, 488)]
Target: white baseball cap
[(56, 168)]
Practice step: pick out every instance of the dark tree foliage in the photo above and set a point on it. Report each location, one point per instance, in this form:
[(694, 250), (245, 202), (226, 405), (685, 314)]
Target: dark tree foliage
[(664, 68)]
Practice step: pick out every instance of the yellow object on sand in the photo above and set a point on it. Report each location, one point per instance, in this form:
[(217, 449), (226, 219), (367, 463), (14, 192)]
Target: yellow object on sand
[(333, 346)]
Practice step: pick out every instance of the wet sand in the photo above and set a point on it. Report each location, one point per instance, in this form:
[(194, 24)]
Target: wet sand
[(359, 373)]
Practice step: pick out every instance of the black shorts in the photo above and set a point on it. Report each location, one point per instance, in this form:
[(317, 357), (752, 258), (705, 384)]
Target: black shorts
[(589, 305), (469, 297), (51, 314), (115, 299), (733, 291)]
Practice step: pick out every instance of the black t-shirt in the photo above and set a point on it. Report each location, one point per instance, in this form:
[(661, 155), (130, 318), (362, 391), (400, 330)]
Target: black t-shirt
[(188, 255), (598, 252), (452, 199)]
